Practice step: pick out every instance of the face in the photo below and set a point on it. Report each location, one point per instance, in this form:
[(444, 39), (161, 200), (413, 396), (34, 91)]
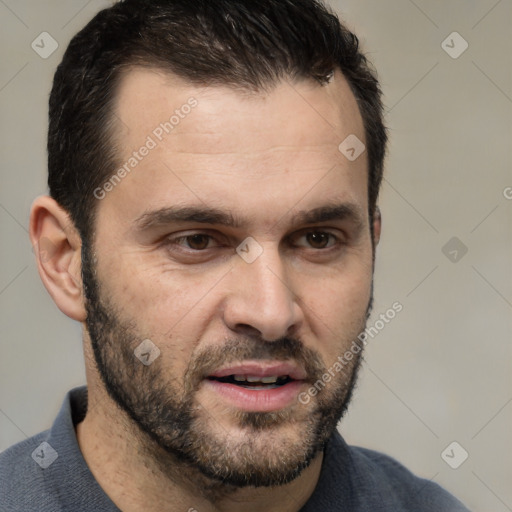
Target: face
[(231, 266)]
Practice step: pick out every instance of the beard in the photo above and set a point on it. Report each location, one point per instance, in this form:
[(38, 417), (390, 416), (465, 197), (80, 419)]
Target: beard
[(174, 430)]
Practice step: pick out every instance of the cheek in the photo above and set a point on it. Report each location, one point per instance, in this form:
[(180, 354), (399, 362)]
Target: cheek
[(336, 310), (167, 306)]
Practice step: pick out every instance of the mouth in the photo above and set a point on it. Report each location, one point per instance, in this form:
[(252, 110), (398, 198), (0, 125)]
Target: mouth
[(254, 382), (258, 386)]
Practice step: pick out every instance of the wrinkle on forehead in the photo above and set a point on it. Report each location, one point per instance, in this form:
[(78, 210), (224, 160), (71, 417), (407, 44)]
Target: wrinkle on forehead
[(147, 98)]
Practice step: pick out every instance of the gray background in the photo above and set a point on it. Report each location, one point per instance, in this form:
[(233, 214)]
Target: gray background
[(440, 371)]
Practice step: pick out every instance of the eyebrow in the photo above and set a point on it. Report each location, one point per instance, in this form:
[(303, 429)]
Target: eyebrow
[(344, 211), (209, 215), (174, 214)]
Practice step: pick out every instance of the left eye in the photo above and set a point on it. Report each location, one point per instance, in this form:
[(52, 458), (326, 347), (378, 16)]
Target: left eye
[(197, 242), (318, 239)]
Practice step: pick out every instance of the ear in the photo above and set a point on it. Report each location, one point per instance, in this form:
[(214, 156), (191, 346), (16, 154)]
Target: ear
[(57, 246), (377, 226)]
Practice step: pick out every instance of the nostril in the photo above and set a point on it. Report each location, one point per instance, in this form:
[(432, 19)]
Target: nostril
[(256, 314), (248, 331)]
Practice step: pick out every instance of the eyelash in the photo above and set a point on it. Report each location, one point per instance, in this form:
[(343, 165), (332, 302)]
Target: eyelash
[(337, 241)]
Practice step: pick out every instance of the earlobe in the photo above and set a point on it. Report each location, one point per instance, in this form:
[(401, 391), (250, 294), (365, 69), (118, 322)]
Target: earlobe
[(57, 247), (377, 226)]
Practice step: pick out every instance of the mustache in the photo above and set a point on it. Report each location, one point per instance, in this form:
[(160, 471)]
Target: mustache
[(237, 350)]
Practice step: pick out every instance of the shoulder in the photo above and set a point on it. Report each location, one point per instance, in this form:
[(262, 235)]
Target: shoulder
[(22, 483), (355, 479), (47, 472), (388, 481)]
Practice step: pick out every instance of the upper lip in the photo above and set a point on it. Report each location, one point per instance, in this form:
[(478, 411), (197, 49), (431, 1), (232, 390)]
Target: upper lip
[(262, 369)]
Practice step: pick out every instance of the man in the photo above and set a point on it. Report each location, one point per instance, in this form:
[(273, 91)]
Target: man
[(214, 170)]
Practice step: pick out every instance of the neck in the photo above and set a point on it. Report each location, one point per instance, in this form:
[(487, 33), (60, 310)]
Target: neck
[(138, 476)]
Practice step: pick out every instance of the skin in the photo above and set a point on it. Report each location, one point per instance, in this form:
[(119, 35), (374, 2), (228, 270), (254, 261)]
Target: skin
[(264, 157)]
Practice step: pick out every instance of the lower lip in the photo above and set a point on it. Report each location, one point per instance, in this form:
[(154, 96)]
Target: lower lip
[(257, 400)]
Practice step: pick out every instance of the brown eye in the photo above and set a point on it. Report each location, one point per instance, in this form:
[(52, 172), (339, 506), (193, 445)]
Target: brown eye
[(318, 239), (198, 242)]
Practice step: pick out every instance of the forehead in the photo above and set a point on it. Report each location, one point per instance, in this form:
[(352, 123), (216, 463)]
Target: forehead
[(147, 95), (180, 143)]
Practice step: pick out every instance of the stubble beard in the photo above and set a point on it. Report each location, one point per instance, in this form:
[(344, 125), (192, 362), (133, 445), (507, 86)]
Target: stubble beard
[(174, 431)]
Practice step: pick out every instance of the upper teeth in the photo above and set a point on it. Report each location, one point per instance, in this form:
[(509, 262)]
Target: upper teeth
[(251, 378)]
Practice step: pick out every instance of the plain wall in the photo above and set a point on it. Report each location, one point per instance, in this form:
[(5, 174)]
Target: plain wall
[(440, 371)]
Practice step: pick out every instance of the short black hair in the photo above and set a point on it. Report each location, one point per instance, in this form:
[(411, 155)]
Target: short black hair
[(248, 44)]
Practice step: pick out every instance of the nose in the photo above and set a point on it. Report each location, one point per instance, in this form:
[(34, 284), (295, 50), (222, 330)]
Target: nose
[(261, 300)]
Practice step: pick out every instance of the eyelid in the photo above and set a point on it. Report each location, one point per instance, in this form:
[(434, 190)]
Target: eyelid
[(338, 240), (216, 236), (175, 239)]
